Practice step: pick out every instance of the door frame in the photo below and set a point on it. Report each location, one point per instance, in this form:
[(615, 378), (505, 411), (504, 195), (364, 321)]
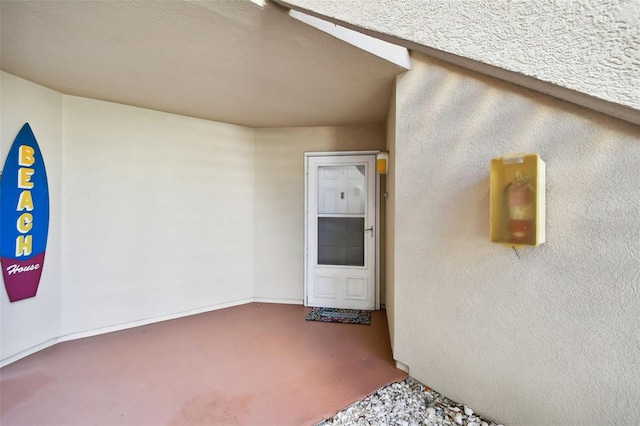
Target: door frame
[(307, 155)]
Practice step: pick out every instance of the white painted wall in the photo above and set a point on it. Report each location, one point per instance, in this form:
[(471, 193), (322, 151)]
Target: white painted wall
[(588, 46), (279, 200), (547, 338), (27, 325), (161, 215), (158, 215)]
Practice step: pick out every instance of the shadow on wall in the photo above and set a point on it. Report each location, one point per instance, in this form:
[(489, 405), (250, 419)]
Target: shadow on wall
[(526, 328)]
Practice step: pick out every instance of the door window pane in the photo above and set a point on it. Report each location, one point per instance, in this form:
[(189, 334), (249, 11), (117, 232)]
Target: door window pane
[(341, 189), (341, 241)]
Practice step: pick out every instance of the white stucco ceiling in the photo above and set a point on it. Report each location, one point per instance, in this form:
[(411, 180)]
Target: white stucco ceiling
[(225, 60)]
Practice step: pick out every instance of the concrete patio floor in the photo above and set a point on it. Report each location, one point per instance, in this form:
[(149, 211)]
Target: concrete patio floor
[(254, 364)]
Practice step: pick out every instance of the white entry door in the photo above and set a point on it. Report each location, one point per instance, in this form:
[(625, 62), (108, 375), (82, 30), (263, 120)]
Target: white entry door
[(341, 232)]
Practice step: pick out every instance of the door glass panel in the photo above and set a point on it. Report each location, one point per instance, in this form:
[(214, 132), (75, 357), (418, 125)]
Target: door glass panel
[(341, 241), (341, 189)]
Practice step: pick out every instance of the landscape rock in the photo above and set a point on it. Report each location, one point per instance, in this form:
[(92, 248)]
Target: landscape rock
[(407, 403)]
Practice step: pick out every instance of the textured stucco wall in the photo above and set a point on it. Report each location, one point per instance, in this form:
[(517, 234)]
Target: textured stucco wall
[(590, 46), (389, 201), (547, 338), (279, 200)]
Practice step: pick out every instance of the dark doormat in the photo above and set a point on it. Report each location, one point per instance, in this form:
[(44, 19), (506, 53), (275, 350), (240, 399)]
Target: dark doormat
[(345, 316)]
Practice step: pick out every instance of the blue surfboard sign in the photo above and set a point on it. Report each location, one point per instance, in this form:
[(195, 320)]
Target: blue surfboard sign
[(24, 216)]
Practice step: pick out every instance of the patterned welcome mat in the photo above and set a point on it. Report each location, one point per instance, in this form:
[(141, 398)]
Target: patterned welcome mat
[(346, 316)]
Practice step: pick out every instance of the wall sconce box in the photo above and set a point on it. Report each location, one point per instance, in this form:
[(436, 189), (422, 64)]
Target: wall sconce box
[(517, 200)]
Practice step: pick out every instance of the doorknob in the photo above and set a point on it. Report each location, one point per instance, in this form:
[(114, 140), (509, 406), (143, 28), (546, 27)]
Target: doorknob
[(369, 229)]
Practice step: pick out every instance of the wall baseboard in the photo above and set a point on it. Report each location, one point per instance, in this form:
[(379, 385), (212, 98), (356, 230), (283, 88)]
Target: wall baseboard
[(103, 330), (37, 348), (281, 301), (146, 321), (401, 366)]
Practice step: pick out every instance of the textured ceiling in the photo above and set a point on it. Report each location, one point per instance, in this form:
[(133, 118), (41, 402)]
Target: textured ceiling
[(225, 60)]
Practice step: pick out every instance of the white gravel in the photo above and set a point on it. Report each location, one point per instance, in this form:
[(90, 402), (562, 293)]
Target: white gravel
[(407, 403)]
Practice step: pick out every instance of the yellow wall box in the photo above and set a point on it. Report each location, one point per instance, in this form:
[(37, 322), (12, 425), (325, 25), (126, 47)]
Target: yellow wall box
[(517, 200)]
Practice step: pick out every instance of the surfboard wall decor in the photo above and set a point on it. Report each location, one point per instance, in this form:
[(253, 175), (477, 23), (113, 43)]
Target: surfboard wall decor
[(24, 216)]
